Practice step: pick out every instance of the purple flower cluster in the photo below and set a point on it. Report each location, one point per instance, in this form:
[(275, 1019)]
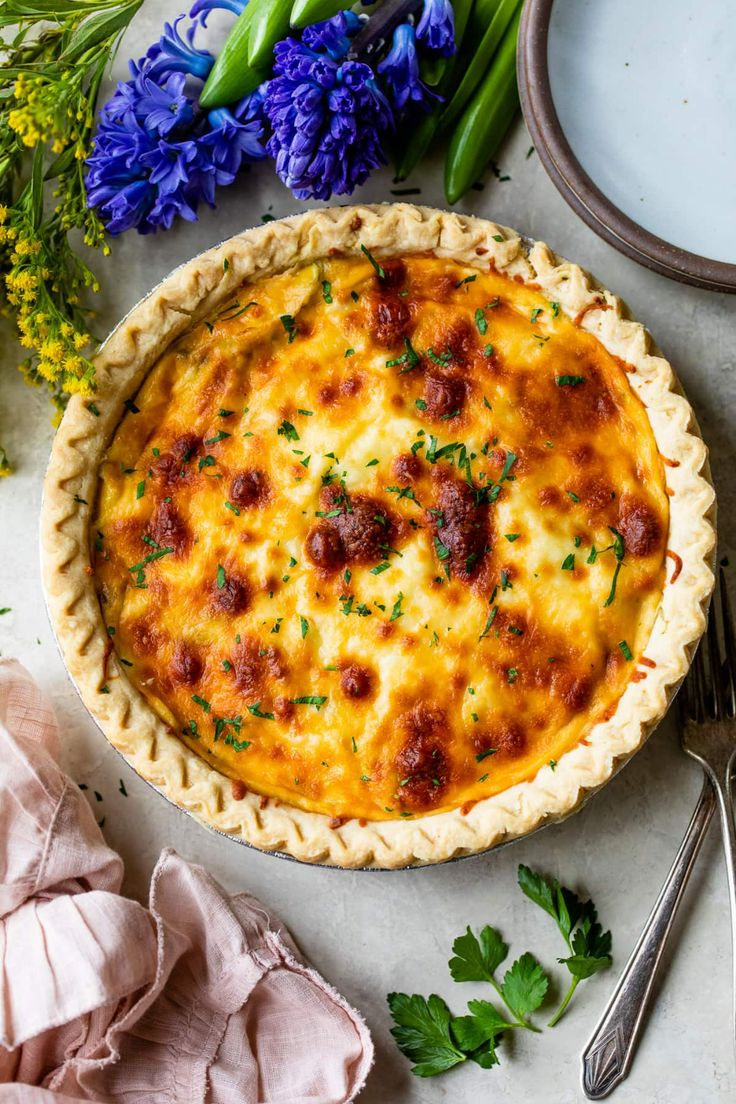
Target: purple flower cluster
[(328, 116), (156, 155)]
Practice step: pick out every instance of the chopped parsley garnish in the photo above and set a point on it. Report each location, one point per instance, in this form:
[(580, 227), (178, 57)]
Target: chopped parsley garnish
[(420, 404), (218, 437), (515, 631), (409, 359), (552, 765), (93, 409), (506, 583), (317, 700), (512, 674), (555, 309), (354, 296), (481, 322), (511, 537), (443, 552), (225, 265), (573, 496), (140, 489), (489, 621), (327, 513), (380, 568), (466, 280), (206, 462), (304, 625), (287, 321), (372, 463), (256, 711), (569, 381), (488, 352), (327, 291), (535, 314), (404, 492), (498, 237), (568, 564), (224, 413), (204, 705), (397, 611), (593, 555), (150, 557), (221, 577), (234, 509), (484, 754), (287, 430), (306, 413), (625, 649), (349, 352), (380, 271), (443, 359), (227, 665), (577, 541), (618, 551)]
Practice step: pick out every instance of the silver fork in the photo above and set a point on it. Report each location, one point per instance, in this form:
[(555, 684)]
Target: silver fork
[(707, 707)]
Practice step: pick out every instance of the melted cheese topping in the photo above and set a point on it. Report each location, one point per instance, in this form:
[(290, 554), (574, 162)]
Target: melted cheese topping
[(382, 543)]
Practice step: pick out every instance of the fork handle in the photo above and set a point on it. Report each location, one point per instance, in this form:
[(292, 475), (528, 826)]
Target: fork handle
[(610, 1050), (722, 784)]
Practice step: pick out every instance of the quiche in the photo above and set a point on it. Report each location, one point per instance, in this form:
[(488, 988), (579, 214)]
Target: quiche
[(385, 538)]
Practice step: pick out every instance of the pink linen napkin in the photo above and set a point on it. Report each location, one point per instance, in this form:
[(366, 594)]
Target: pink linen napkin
[(200, 999)]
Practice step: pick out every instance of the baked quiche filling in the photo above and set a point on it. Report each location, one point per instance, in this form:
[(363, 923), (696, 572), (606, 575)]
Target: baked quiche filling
[(383, 537)]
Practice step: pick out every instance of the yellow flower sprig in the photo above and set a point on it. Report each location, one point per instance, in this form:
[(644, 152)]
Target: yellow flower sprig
[(49, 81)]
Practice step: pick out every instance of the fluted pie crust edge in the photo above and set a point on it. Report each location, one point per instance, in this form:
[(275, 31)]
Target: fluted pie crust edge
[(155, 752)]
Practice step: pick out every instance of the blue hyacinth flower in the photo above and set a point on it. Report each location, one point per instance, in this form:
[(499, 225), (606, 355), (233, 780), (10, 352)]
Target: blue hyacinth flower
[(400, 71), (436, 27)]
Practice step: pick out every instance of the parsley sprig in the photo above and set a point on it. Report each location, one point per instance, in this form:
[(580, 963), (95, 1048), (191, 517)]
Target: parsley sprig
[(589, 945), (435, 1040)]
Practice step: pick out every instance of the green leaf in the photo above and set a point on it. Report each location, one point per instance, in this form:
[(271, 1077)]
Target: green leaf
[(484, 1025), (97, 29), (525, 985), (537, 889), (477, 960), (582, 966), (422, 1032), (486, 1055)]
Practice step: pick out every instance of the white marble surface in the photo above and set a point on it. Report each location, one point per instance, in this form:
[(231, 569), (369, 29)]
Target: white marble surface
[(370, 933)]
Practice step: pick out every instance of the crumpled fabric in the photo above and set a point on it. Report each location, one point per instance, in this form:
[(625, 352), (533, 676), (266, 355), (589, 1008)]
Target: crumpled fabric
[(201, 998)]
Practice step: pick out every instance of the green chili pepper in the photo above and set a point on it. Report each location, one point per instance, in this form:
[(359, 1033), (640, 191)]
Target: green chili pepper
[(269, 24), (231, 77), (414, 144), (485, 120), (305, 12), (482, 59)]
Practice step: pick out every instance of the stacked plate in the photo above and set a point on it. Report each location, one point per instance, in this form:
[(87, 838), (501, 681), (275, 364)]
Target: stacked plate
[(632, 109)]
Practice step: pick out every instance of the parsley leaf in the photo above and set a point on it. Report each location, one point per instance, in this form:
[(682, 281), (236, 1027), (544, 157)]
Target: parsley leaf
[(422, 1033), (477, 959), (525, 985)]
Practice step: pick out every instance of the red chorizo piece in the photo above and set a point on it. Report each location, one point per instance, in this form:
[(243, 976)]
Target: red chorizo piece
[(421, 764), (639, 525), (443, 394), (249, 488), (356, 681), (232, 597), (167, 527), (461, 527), (186, 665), (358, 531), (175, 465)]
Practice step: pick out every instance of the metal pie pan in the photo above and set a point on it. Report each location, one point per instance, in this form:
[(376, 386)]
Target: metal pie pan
[(583, 799)]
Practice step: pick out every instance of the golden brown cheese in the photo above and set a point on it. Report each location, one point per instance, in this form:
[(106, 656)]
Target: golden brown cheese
[(383, 537)]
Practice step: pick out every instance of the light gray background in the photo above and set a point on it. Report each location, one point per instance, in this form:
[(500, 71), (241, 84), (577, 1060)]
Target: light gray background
[(370, 933)]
